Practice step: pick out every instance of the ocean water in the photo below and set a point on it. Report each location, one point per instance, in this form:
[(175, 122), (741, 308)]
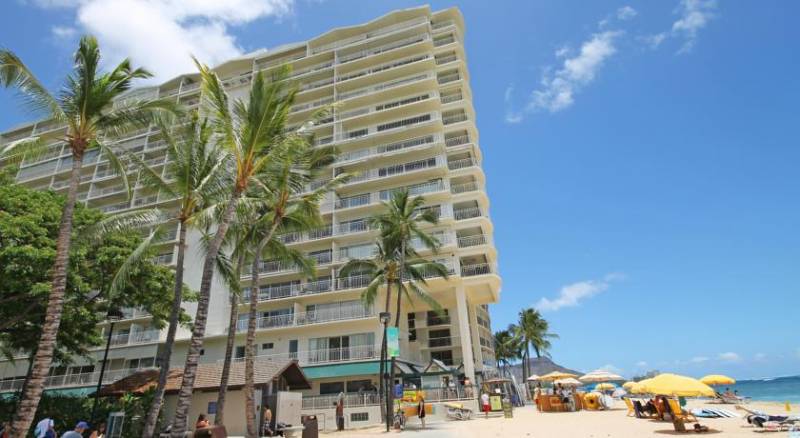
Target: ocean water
[(778, 389)]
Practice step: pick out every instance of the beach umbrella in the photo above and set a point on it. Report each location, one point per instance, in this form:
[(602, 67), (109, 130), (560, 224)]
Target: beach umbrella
[(676, 386), (597, 376), (619, 392), (555, 375), (636, 388), (604, 386), (569, 381), (718, 379), (629, 385), (533, 378)]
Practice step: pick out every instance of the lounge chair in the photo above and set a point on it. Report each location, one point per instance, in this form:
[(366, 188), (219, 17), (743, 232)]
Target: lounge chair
[(678, 412), (730, 399), (629, 404)]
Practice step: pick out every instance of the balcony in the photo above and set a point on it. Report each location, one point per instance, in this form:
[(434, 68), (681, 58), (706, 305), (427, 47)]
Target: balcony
[(324, 356), (465, 213), (412, 144), (369, 35), (382, 68), (385, 128), (446, 342), (343, 59), (72, 380), (461, 163), (400, 169), (448, 77), (385, 86), (468, 241), (385, 106), (476, 269), (450, 119), (470, 186), (142, 337), (344, 313)]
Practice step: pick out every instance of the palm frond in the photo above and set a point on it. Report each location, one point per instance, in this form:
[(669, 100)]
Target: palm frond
[(15, 74)]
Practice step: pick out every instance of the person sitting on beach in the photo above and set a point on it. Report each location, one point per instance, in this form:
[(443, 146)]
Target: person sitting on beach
[(728, 393)]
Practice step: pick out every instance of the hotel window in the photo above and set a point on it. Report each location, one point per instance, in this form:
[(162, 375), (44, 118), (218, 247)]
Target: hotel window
[(239, 352), (412, 327), (331, 388), (446, 356)]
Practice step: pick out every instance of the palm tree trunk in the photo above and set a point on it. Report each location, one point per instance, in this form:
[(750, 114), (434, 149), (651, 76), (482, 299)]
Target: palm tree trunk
[(166, 352), (219, 419), (401, 267), (179, 424), (250, 349), (381, 380), (249, 361), (26, 410)]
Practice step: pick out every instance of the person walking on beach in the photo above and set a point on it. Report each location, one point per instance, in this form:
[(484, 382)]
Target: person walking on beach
[(485, 404), (340, 414), (267, 426), (421, 410)]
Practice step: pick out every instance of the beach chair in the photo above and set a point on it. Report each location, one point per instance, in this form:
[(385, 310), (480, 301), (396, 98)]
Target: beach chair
[(678, 414), (629, 404)]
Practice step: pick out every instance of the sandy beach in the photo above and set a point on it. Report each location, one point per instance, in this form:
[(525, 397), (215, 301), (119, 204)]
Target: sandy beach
[(527, 422)]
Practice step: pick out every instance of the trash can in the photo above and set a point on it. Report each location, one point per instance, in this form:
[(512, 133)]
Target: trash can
[(309, 422)]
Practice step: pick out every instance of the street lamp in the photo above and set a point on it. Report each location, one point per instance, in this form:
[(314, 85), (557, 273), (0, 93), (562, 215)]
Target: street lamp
[(112, 316), (385, 317)]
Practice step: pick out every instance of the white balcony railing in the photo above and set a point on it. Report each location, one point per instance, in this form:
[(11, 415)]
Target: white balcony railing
[(461, 163), (133, 338), (383, 48), (326, 355), (470, 186), (343, 313), (384, 86), (464, 213), (387, 148), (475, 240), (454, 118), (71, 380), (456, 141), (368, 35), (475, 269)]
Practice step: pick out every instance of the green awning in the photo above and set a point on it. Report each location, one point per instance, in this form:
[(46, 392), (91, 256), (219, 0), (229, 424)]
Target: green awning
[(64, 392), (342, 370)]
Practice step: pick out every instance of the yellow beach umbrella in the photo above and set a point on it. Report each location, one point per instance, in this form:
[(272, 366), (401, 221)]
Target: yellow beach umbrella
[(628, 385), (555, 375), (604, 386), (718, 379), (636, 388), (675, 385)]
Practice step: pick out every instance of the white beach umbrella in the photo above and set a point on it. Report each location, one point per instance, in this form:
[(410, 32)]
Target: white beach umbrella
[(597, 376), (533, 378), (569, 381)]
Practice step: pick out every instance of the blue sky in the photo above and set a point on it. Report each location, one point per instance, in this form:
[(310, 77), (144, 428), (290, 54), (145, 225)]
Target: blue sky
[(641, 157)]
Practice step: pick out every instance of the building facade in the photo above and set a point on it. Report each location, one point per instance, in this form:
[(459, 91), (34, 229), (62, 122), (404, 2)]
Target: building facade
[(403, 119)]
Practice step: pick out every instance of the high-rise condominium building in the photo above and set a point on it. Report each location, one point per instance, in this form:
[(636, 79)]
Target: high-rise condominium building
[(403, 119)]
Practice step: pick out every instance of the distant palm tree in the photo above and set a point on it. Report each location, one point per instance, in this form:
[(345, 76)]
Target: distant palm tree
[(506, 348), (533, 331), (88, 105), (197, 178)]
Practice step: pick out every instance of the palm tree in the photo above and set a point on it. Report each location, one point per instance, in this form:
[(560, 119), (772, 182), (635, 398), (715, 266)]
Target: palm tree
[(285, 205), (396, 261), (533, 331), (506, 348), (252, 132), (198, 178), (88, 105)]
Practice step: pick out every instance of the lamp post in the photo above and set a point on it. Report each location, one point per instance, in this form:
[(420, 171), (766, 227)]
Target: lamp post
[(385, 317), (112, 316)]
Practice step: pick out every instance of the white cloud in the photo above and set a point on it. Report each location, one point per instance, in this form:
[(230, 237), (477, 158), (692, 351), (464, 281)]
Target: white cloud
[(626, 13), (511, 116), (695, 15), (161, 34), (655, 40), (729, 357), (572, 294), (641, 364), (557, 91), (698, 359), (563, 51), (64, 32)]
